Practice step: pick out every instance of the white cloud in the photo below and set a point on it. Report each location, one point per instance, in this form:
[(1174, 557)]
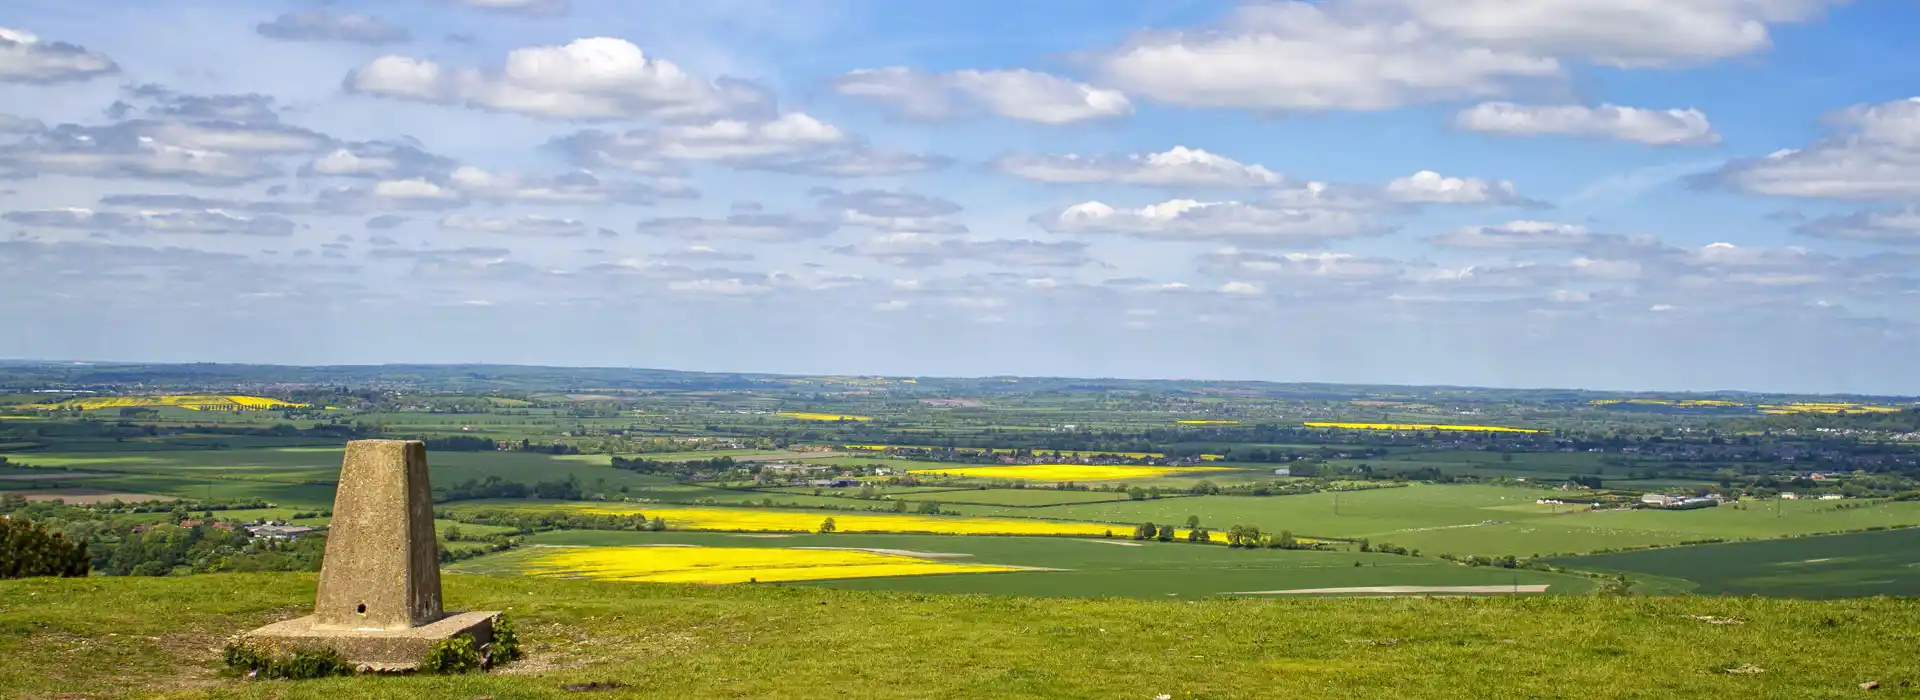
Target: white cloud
[(1174, 167), (919, 250), (1015, 94), (541, 226), (1670, 127), (1898, 226), (1875, 156), (598, 78), (575, 188), (762, 228), (209, 153), (321, 25), (154, 221), (793, 142), (732, 286), (1186, 219), (1232, 262), (1383, 54), (1241, 288), (1517, 234), (26, 58), (1429, 187), (892, 211)]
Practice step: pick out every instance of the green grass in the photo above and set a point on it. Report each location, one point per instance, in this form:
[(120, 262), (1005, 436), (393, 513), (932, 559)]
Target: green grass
[(1885, 562), (1094, 568), (1449, 518), (159, 637)]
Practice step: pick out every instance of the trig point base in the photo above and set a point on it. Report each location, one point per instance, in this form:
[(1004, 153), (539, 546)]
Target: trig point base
[(379, 599)]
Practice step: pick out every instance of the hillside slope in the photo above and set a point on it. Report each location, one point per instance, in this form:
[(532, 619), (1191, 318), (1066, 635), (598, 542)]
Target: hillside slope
[(139, 637)]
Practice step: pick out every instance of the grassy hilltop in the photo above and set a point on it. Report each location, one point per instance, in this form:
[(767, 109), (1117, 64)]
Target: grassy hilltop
[(159, 637)]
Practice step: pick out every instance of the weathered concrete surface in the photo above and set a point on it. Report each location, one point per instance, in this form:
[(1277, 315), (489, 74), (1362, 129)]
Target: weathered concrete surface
[(379, 600), (379, 650), (382, 566)]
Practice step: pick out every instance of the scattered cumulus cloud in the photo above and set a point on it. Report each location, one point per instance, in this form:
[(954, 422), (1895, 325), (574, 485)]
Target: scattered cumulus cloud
[(537, 226), (793, 142), (1669, 127), (207, 221), (323, 25), (1383, 54), (1429, 187), (597, 78), (757, 228), (1874, 154), (1015, 94), (26, 58), (1896, 226), (920, 250), (1175, 167), (1517, 235), (1187, 219)]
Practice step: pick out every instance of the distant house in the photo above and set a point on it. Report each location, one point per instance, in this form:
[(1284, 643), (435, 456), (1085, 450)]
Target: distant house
[(278, 531), (1831, 497), (833, 483), (1790, 496), (1659, 500), (1283, 471)]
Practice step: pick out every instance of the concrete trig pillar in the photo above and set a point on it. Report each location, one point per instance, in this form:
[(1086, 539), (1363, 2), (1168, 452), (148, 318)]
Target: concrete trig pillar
[(379, 599), (382, 566)]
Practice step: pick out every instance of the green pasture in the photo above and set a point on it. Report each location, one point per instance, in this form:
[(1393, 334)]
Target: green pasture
[(1094, 567), (1885, 562), (158, 637)]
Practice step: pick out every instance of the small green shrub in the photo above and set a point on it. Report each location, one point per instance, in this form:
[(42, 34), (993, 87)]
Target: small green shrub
[(505, 646), (456, 655), (301, 664)]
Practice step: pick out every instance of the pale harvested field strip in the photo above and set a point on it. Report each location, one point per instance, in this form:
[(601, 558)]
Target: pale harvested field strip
[(48, 476)]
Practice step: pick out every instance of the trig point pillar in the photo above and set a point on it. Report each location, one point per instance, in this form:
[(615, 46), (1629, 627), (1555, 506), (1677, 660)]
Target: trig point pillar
[(382, 569), (379, 600)]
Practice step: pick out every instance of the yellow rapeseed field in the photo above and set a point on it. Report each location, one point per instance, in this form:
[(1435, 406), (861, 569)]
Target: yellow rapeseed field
[(1793, 408), (1009, 450), (716, 565), (793, 520), (802, 415), (1420, 426), (1061, 472), (192, 402)]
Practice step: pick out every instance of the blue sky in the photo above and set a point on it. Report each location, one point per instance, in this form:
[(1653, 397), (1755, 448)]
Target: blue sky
[(1636, 194)]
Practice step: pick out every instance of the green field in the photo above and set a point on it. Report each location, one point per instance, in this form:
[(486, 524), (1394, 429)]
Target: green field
[(159, 637), (302, 475), (1885, 562), (1094, 567), (1491, 520)]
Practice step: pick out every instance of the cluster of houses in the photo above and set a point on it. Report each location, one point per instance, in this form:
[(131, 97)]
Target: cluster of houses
[(1670, 501)]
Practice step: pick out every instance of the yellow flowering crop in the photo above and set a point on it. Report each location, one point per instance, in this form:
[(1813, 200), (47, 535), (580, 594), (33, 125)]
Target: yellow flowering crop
[(716, 565), (1009, 450), (795, 520), (1420, 426), (801, 415), (1061, 472), (1793, 408), (192, 402), (1208, 422)]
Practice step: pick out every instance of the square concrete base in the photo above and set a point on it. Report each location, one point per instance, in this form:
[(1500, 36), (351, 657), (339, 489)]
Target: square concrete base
[(373, 650)]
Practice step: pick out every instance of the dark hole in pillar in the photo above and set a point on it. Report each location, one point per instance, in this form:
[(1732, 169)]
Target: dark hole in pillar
[(363, 609)]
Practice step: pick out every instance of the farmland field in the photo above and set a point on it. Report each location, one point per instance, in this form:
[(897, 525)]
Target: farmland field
[(678, 563), (797, 520), (1090, 567), (1493, 520), (1064, 472), (1015, 497), (1885, 562)]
